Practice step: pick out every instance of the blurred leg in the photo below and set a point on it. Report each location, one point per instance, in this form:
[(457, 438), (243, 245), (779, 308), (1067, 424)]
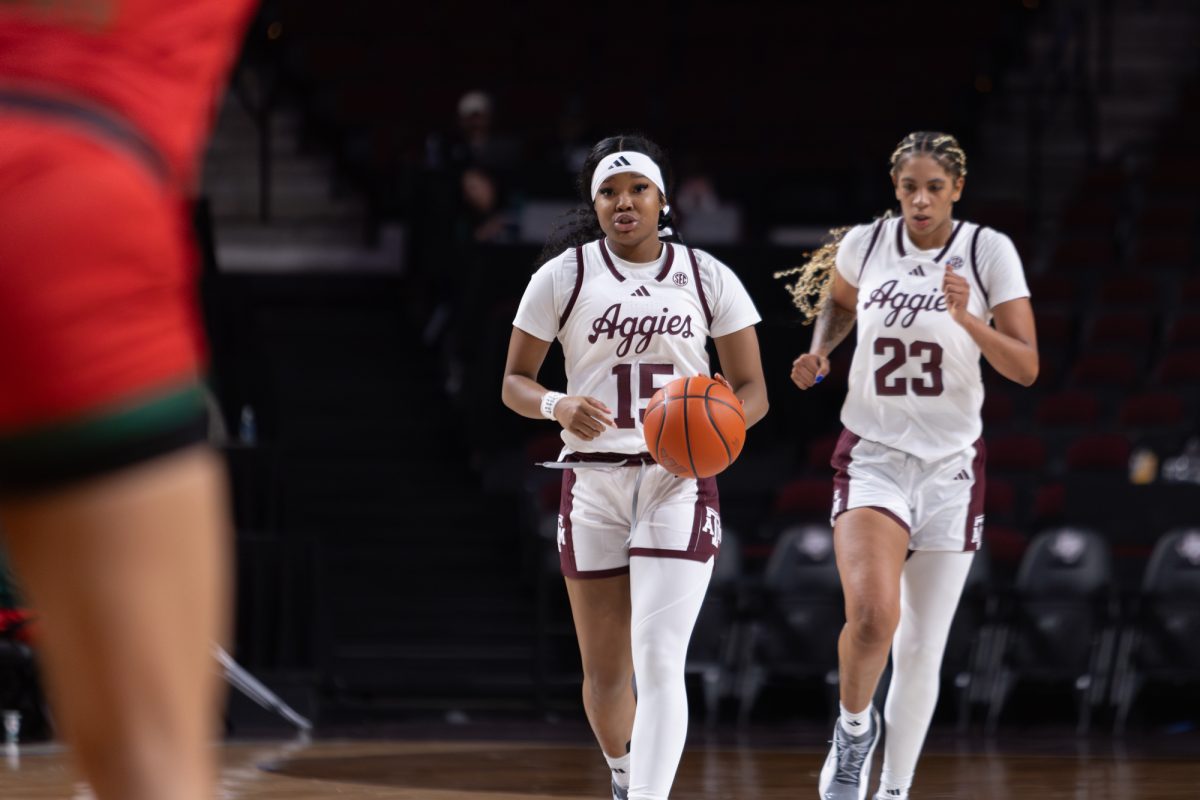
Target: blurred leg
[(129, 575)]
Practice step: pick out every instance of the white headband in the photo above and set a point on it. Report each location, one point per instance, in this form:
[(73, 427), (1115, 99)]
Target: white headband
[(627, 161)]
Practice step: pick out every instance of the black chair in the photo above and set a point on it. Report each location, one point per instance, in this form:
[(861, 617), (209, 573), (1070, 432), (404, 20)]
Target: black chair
[(1162, 640), (801, 616), (713, 649), (1060, 626)]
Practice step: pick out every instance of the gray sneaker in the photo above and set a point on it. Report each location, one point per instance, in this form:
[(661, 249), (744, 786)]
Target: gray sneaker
[(618, 792), (848, 766)]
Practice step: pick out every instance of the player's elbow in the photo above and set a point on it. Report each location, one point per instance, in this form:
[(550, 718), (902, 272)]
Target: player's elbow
[(1029, 373), (507, 392)]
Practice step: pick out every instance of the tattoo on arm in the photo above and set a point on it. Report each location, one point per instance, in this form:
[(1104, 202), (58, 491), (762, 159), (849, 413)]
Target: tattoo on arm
[(832, 326)]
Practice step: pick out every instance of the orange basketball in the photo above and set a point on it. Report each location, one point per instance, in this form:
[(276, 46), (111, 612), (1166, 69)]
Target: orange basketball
[(694, 427)]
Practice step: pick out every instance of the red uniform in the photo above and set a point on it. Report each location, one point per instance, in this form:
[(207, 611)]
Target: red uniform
[(104, 109)]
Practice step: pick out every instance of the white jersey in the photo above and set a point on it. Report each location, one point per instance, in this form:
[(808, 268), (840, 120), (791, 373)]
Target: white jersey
[(915, 383), (629, 329)]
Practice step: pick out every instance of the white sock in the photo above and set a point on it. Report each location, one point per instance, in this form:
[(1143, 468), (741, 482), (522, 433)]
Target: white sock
[(930, 587), (666, 595), (891, 794), (620, 769), (855, 723)]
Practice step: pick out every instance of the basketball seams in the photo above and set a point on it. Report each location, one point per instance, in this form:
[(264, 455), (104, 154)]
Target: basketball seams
[(687, 437), (715, 426), (687, 445)]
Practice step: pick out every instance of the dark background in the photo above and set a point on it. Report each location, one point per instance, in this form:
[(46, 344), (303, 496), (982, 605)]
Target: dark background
[(365, 258)]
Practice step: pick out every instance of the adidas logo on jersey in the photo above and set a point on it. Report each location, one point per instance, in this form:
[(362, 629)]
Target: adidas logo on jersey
[(641, 292), (962, 475), (620, 162), (918, 271)]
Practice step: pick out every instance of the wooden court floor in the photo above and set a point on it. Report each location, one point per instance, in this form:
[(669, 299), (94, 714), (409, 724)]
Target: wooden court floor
[(519, 771)]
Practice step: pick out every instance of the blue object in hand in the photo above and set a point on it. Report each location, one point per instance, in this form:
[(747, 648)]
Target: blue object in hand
[(818, 379)]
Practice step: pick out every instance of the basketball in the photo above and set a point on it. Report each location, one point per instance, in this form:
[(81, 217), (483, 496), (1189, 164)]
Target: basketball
[(694, 427)]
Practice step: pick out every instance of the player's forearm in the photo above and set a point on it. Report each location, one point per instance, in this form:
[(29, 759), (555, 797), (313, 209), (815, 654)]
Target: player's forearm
[(1011, 357), (833, 324), (523, 395), (753, 395)]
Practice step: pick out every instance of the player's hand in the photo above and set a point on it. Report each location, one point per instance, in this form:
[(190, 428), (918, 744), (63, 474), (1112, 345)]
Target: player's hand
[(721, 379), (586, 417), (809, 369), (958, 293)]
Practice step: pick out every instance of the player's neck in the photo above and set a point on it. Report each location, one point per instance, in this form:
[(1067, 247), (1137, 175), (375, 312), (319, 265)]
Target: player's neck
[(644, 252), (931, 240)]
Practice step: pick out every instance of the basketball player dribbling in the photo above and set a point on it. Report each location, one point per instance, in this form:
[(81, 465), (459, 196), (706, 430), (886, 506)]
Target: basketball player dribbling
[(636, 543), (908, 488), (114, 510)]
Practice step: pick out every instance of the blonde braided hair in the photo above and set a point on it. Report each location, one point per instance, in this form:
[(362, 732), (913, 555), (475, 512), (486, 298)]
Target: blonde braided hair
[(810, 291)]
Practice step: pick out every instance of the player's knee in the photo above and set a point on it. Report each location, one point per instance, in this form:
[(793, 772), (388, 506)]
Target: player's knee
[(658, 663), (912, 654), (872, 624), (605, 684)]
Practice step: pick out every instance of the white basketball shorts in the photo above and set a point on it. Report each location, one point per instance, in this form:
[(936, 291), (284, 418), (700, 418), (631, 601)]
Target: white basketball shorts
[(609, 513), (939, 503)]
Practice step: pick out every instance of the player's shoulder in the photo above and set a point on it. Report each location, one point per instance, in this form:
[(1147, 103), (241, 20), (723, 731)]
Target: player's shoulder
[(987, 241), (564, 261), (706, 261)]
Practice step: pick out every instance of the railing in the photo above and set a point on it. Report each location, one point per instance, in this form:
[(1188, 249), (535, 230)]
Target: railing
[(256, 86)]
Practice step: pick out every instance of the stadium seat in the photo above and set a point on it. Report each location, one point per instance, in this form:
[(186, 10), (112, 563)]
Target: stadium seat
[(1059, 629), (1099, 452), (1162, 640)]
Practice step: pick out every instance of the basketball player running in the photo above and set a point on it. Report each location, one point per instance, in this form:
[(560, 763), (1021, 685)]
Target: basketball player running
[(636, 543), (114, 511), (908, 488)]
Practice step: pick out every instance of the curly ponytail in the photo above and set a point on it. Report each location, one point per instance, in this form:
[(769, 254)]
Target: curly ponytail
[(810, 291), (579, 225)]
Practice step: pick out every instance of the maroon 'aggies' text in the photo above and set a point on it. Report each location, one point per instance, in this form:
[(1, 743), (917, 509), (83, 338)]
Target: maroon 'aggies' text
[(887, 297), (612, 324)]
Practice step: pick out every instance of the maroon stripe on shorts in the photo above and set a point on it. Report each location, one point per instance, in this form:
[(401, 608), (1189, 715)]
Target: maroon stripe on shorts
[(708, 317), (841, 475), (701, 546), (978, 489), (574, 292), (566, 555), (841, 481), (630, 459)]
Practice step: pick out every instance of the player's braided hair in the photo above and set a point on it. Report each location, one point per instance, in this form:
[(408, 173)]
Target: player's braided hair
[(810, 291), (941, 147), (580, 226)]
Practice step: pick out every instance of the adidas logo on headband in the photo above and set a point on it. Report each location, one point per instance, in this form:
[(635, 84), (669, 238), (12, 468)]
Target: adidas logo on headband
[(625, 161)]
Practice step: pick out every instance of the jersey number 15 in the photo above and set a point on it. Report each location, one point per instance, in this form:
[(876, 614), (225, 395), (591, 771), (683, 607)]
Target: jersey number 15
[(646, 387)]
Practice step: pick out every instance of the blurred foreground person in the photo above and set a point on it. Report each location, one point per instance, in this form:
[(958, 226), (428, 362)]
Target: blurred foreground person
[(114, 509)]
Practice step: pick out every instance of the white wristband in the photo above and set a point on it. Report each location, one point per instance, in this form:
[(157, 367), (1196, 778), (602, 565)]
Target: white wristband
[(549, 401)]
